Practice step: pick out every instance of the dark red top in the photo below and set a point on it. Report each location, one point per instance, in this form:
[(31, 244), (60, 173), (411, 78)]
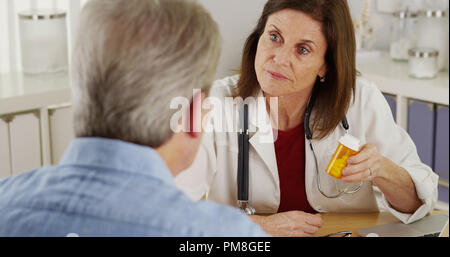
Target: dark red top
[(290, 153)]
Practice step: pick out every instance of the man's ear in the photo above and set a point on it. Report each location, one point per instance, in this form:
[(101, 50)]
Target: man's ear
[(195, 115)]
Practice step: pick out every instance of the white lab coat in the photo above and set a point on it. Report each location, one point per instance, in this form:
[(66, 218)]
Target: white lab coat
[(212, 176)]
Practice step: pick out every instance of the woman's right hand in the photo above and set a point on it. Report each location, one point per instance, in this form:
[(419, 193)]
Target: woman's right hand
[(291, 223)]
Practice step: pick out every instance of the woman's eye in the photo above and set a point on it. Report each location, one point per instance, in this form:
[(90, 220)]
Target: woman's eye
[(303, 50), (273, 37)]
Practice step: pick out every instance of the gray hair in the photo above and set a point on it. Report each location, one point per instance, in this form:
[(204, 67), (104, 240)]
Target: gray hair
[(131, 58)]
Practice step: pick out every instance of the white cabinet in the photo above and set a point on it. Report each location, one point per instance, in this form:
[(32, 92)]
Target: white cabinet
[(61, 130), (24, 131), (5, 164)]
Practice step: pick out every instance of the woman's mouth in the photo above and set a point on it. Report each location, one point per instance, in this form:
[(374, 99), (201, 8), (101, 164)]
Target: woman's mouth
[(277, 76)]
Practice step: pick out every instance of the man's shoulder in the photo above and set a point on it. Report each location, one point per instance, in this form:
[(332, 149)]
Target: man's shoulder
[(167, 211), (129, 204), (9, 186), (220, 220)]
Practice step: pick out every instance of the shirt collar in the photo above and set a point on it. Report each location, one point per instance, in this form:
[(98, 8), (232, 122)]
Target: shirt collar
[(118, 155)]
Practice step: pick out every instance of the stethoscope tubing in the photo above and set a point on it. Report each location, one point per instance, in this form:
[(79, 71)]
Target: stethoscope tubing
[(243, 159)]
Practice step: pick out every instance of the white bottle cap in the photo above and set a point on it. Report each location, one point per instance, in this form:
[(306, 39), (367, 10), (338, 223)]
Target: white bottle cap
[(350, 142)]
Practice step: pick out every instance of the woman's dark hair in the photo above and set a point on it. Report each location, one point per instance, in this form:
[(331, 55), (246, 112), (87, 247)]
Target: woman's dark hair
[(331, 98)]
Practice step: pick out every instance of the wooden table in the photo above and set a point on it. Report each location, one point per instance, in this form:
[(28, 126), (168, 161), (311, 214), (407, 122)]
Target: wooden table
[(335, 222)]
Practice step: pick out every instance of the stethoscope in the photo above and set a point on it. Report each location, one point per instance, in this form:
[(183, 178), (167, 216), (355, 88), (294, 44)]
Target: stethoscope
[(243, 159)]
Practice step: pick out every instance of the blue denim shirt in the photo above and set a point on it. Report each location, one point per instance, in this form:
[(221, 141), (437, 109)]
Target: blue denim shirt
[(105, 187)]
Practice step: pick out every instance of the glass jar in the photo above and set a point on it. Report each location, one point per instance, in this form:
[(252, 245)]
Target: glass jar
[(433, 33), (402, 35), (423, 63), (43, 41)]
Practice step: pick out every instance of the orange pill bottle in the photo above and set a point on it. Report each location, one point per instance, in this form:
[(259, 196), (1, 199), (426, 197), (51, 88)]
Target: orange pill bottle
[(348, 146)]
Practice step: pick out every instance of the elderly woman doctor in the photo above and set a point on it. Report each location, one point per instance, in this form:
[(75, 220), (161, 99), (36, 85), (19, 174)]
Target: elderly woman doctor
[(303, 53)]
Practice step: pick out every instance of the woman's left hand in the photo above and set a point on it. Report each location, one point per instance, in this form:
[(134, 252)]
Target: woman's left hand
[(364, 166), (394, 181)]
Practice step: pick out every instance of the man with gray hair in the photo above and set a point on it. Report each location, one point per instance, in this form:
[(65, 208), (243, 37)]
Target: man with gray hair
[(131, 58)]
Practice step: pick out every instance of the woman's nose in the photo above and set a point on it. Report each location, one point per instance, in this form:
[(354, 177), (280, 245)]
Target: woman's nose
[(282, 56)]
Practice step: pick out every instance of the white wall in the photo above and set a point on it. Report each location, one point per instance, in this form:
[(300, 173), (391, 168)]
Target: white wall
[(236, 19), (4, 62)]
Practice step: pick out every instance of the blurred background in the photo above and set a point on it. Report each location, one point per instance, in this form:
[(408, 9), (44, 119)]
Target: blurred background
[(402, 47)]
